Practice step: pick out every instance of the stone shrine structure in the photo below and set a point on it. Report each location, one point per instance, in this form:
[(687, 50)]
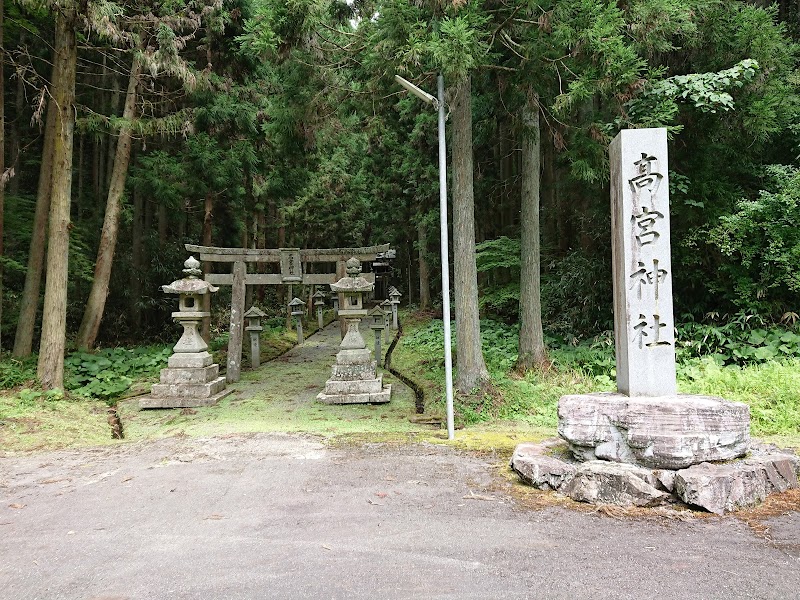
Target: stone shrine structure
[(295, 266), (646, 444), (354, 378), (190, 378)]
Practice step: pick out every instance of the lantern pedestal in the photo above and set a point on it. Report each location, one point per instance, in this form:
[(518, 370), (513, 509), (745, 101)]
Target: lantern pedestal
[(354, 377)]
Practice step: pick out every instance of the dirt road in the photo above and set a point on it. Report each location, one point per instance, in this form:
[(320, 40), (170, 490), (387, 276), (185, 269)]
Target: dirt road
[(284, 516)]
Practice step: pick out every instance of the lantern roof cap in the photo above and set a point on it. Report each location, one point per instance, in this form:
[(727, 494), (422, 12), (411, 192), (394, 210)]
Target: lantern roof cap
[(254, 312)]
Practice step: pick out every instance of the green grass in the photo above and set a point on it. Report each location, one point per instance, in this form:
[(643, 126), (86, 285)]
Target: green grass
[(41, 424), (279, 397), (771, 388)]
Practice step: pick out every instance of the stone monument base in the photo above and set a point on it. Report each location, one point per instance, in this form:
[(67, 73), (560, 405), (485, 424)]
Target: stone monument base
[(189, 380), (652, 451), (151, 401), (716, 487), (359, 391), (668, 432)]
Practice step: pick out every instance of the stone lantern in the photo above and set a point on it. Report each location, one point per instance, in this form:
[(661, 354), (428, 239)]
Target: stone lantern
[(377, 322), (319, 303), (190, 378), (254, 316), (297, 308), (354, 378), (386, 305), (335, 301), (394, 299)]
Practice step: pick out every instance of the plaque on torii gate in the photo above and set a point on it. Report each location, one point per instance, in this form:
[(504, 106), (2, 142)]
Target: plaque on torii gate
[(291, 261)]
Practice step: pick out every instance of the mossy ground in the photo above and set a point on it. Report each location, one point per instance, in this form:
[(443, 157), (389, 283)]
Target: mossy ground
[(48, 424), (280, 397)]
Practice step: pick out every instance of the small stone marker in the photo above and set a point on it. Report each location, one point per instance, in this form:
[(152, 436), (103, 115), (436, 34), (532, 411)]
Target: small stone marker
[(319, 303), (377, 324), (297, 307), (253, 316), (643, 323), (190, 378), (394, 299), (386, 305)]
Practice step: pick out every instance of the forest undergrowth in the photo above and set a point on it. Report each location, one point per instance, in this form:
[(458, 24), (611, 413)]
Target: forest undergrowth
[(752, 363)]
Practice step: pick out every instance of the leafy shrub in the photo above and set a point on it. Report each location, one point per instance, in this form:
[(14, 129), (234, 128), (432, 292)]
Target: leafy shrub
[(763, 240), (745, 339), (107, 374), (14, 372)]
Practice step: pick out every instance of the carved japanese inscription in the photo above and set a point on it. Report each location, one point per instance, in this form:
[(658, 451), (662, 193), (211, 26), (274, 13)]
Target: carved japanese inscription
[(643, 320), (291, 267)]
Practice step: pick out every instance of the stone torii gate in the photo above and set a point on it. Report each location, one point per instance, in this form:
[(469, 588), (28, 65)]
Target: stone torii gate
[(291, 262)]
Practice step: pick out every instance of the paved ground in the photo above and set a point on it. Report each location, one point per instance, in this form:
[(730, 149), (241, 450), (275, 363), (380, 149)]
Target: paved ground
[(283, 516)]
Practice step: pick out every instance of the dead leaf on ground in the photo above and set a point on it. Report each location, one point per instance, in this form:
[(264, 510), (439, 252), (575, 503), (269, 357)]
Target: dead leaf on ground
[(381, 494), (128, 478), (214, 517), (326, 547), (371, 501), (16, 505), (43, 481)]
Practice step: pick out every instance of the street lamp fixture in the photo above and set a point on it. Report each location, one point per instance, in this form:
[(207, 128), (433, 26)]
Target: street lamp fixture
[(438, 104)]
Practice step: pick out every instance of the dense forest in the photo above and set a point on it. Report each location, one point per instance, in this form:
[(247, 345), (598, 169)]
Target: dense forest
[(130, 129)]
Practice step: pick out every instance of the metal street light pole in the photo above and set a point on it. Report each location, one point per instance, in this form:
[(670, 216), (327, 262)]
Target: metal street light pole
[(448, 354)]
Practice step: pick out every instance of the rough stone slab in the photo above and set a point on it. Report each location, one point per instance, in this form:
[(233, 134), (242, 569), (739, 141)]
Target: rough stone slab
[(371, 398), (538, 469), (670, 432), (722, 488), (151, 401), (358, 386), (353, 357), (188, 390), (196, 360), (353, 372), (621, 484), (190, 375)]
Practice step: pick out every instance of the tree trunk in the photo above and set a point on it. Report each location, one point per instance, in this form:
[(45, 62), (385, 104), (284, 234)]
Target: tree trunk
[(424, 268), (205, 330), (162, 226), (53, 341), (136, 262), (471, 366), (2, 165), (93, 313), (29, 305), (19, 105), (532, 352)]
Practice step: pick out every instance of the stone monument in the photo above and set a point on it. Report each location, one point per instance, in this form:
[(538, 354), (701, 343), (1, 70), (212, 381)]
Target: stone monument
[(254, 328), (394, 299), (319, 303), (647, 442), (354, 378), (190, 378)]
